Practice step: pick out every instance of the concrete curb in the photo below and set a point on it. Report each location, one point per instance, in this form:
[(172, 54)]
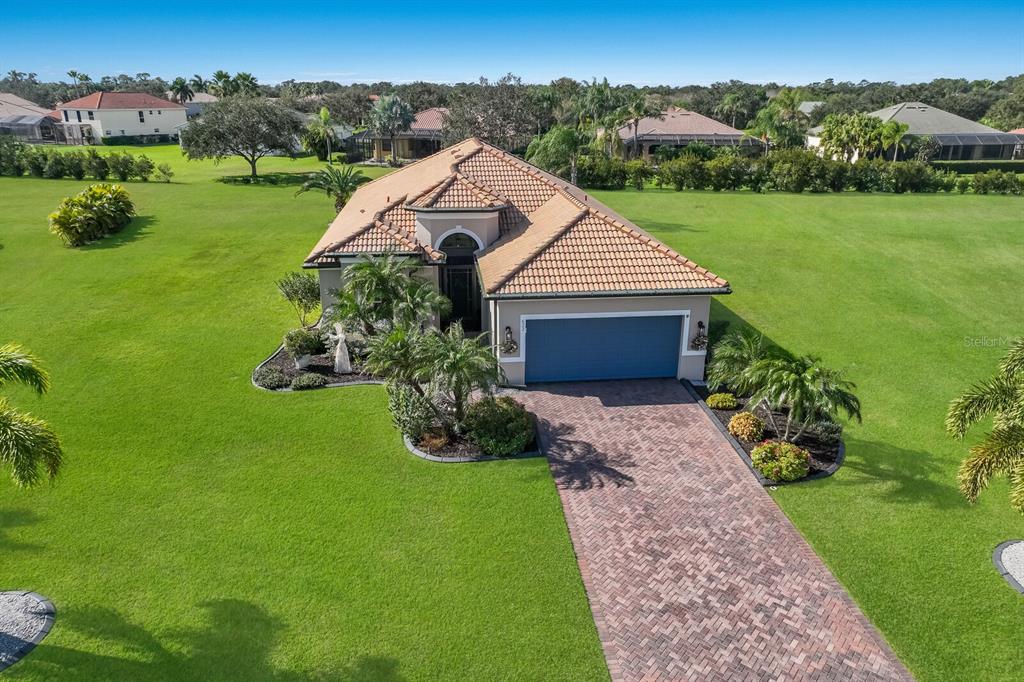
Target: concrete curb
[(49, 616), (997, 559), (767, 482)]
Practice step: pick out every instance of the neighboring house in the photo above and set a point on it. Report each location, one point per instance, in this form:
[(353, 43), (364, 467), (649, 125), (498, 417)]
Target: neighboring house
[(959, 138), (807, 108), (90, 119), (422, 139), (27, 121), (567, 288), (195, 106), (678, 128)]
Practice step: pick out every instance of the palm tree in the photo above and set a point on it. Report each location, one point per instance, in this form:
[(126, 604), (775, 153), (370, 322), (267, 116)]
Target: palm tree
[(27, 444), (245, 84), (198, 83), (635, 110), (222, 85), (338, 183), (1002, 450), (560, 147), (810, 392), (733, 356), (891, 133), (370, 290), (389, 117), (319, 136), (181, 90), (420, 301), (730, 107), (458, 366)]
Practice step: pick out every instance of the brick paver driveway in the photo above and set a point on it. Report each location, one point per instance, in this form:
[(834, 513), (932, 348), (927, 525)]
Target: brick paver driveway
[(692, 571)]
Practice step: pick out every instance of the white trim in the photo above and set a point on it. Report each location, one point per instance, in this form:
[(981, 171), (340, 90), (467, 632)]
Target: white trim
[(458, 229), (683, 339)]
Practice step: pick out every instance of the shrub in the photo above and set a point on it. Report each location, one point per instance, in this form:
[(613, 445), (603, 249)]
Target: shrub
[(601, 172), (270, 377), (164, 172), (866, 175), (963, 184), (35, 161), (698, 150), (308, 380), (996, 182), (96, 165), (122, 165), (144, 167), (11, 151), (98, 210), (979, 166), (341, 157), (54, 168), (638, 172), (499, 426), (684, 172), (410, 412), (302, 291), (781, 461), (827, 431), (299, 342), (793, 170), (722, 401), (727, 171), (74, 164), (746, 426), (433, 440)]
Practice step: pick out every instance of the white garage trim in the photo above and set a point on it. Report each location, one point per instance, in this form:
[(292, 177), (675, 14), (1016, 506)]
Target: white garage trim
[(683, 339)]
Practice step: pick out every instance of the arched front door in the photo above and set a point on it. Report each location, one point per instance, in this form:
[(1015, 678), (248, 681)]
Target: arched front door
[(458, 281)]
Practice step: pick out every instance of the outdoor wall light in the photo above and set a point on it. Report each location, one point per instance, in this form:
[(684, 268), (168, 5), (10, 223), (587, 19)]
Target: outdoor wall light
[(509, 344), (700, 341)]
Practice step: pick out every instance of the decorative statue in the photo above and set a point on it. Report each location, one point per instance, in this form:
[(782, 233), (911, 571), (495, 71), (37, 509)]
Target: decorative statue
[(342, 363)]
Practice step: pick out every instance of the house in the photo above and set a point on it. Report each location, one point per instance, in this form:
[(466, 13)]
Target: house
[(90, 119), (195, 106), (568, 289), (28, 122), (421, 139), (807, 107), (678, 128), (959, 138)]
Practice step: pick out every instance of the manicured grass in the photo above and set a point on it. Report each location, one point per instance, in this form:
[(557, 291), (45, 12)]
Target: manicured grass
[(203, 529), (895, 289)]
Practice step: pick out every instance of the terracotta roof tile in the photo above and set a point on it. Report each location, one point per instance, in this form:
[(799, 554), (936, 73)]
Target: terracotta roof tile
[(120, 100), (458, 191)]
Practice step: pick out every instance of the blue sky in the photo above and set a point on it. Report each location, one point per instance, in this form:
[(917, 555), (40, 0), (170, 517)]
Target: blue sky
[(644, 42)]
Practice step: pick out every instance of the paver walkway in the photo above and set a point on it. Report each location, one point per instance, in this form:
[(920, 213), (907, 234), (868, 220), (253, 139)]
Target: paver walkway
[(692, 571)]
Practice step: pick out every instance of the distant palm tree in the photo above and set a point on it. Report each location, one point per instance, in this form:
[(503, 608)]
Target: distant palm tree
[(181, 90), (245, 84), (1002, 450), (731, 106), (81, 80), (635, 110), (891, 134), (222, 84), (338, 183), (27, 444), (319, 136), (198, 83), (390, 117)]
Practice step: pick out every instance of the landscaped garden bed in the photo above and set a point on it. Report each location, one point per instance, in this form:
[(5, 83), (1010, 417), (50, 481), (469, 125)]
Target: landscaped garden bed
[(281, 364), (826, 454)]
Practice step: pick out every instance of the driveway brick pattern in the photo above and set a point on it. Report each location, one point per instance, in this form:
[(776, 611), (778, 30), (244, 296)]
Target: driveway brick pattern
[(692, 571)]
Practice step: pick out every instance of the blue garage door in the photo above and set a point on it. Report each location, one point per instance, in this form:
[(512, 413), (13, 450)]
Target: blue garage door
[(578, 349)]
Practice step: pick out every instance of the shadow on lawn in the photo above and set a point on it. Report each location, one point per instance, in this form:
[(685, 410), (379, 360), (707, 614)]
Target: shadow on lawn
[(137, 229), (267, 179), (15, 518), (670, 228), (236, 645), (913, 476)]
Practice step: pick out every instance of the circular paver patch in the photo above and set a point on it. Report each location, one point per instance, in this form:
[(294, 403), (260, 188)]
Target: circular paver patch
[(25, 619), (1009, 559)]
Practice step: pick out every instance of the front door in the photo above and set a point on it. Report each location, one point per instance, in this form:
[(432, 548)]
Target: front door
[(459, 283)]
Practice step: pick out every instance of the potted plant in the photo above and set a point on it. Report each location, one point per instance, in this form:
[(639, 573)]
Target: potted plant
[(302, 344)]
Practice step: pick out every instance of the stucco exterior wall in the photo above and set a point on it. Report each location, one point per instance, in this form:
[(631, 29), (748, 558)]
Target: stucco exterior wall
[(432, 227), (111, 122), (510, 313)]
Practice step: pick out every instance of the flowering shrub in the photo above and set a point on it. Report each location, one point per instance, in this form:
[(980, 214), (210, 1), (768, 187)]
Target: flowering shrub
[(746, 426), (781, 461), (722, 401)]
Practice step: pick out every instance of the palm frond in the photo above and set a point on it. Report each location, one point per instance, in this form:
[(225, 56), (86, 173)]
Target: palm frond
[(28, 446), (1013, 363), (1000, 452), (997, 394), (20, 366)]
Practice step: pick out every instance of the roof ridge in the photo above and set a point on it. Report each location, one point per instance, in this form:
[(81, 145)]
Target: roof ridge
[(479, 186), (536, 251)]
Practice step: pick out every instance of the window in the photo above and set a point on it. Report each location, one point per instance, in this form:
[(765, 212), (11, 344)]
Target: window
[(91, 117), (158, 111), (150, 112), (66, 115), (142, 117), (79, 115), (106, 132), (156, 130), (122, 131)]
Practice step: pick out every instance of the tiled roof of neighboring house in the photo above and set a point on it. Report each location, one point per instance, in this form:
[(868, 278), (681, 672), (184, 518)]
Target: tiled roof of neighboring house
[(120, 100), (1016, 131), (556, 239), (429, 119), (197, 98), (679, 123), (12, 105)]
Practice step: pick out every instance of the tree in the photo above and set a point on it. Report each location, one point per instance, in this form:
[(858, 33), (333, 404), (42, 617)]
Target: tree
[(559, 150), (181, 90), (502, 113), (780, 123), (338, 183), (459, 366), (249, 127), (730, 107), (27, 444), (81, 81), (319, 136), (1007, 113), (198, 83), (389, 118), (222, 84), (846, 135), (1001, 451), (246, 85), (636, 109), (733, 356), (302, 291), (890, 134)]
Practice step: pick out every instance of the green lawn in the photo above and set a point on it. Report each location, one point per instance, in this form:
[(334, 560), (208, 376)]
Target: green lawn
[(203, 529), (891, 288)]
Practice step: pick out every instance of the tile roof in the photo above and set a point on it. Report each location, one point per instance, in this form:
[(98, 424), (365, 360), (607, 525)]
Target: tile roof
[(679, 122), (555, 238), (429, 120), (119, 100)]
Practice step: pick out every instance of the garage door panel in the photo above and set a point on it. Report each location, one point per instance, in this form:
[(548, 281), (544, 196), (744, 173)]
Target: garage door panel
[(577, 349)]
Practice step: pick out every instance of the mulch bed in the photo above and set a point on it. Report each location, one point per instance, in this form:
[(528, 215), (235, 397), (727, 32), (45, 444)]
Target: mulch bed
[(823, 455), (320, 364)]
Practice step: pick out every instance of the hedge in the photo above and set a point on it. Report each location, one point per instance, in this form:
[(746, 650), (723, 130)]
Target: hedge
[(17, 158), (970, 167)]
